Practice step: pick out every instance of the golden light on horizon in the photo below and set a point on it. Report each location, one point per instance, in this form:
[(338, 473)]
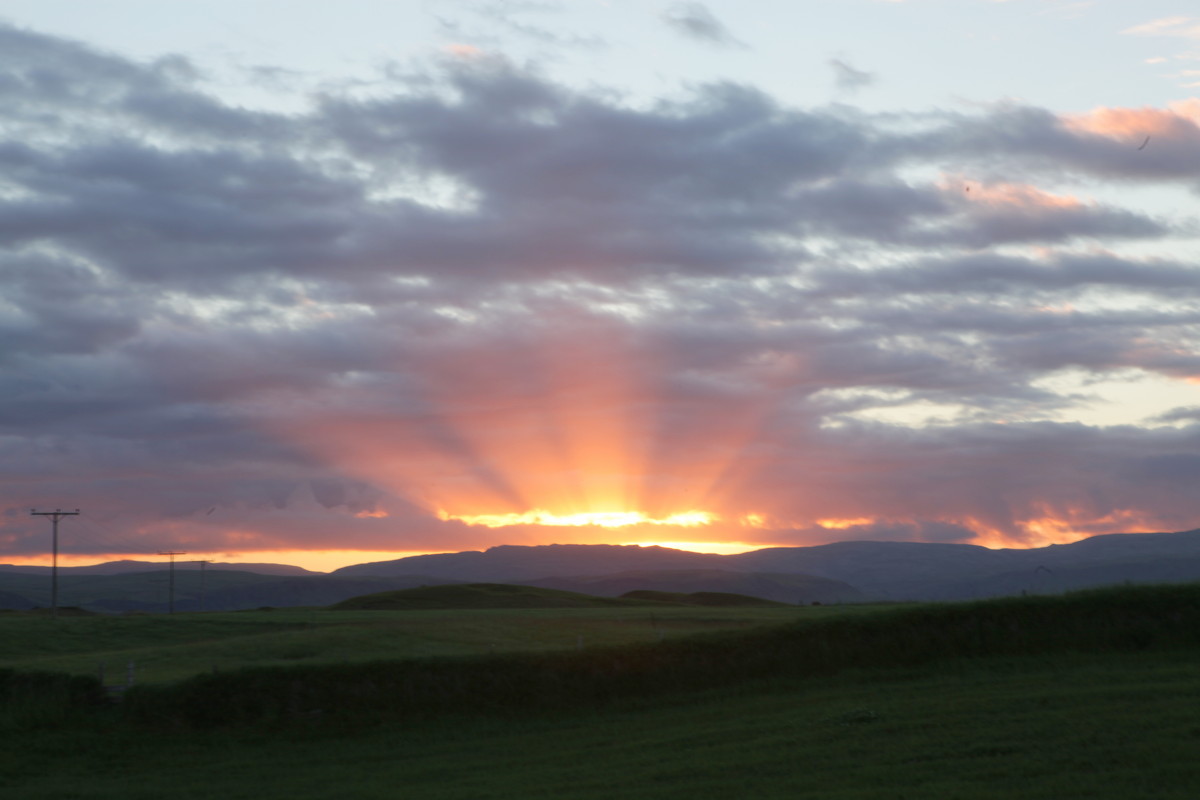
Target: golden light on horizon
[(717, 548), (314, 560), (842, 524), (603, 519)]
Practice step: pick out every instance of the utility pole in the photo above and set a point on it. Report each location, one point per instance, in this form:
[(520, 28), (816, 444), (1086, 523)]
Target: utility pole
[(171, 582), (54, 516)]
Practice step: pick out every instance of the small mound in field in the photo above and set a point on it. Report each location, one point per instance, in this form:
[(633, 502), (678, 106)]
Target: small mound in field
[(711, 599), (63, 611), (474, 596)]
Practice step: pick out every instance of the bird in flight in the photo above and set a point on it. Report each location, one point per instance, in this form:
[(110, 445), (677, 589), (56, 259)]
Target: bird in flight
[(1146, 142)]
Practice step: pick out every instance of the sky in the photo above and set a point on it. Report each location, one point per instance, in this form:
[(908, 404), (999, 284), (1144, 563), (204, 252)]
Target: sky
[(324, 284)]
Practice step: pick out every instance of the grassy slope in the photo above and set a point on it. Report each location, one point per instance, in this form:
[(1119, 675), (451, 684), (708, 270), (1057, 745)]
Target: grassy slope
[(165, 648), (476, 596)]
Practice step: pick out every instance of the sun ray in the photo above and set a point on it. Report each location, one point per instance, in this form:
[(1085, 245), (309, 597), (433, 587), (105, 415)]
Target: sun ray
[(603, 519)]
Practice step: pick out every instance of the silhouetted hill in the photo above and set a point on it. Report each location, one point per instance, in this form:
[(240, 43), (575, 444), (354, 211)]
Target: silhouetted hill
[(475, 595), (516, 563), (707, 599), (784, 588), (935, 571), (885, 570), (11, 601), (871, 570), (125, 566), (838, 572), (216, 590)]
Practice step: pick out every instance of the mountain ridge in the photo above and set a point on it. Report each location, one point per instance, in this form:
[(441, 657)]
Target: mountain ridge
[(128, 565), (835, 572)]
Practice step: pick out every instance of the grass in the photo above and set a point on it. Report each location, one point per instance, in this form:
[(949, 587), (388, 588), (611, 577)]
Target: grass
[(1091, 696), (1123, 620), (1120, 726), (172, 647)]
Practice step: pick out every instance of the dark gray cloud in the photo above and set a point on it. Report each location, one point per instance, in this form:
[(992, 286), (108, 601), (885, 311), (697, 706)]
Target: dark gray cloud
[(696, 21), (848, 78), (1187, 414), (482, 291), (1024, 140)]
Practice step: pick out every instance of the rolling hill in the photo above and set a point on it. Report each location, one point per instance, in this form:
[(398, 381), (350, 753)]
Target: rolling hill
[(475, 596)]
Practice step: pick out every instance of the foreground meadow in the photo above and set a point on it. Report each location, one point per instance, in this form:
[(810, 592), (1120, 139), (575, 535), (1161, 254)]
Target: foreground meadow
[(1094, 695), (1086, 727), (171, 647)]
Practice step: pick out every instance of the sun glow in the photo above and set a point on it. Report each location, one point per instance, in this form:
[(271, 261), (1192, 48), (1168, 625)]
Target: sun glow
[(842, 524), (546, 431), (602, 519)]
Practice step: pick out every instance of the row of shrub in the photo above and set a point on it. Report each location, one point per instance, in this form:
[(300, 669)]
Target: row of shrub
[(33, 699), (1124, 619)]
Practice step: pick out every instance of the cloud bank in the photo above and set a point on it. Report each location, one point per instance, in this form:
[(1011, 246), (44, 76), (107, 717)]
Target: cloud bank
[(478, 291)]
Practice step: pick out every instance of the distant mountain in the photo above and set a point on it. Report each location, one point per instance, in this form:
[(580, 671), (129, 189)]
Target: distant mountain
[(877, 570), (216, 590), (124, 566), (521, 564), (884, 570), (838, 572), (12, 601), (932, 571)]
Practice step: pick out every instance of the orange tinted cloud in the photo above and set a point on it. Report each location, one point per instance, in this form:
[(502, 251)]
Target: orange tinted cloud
[(1179, 121), (464, 51), (1064, 526), (1011, 195)]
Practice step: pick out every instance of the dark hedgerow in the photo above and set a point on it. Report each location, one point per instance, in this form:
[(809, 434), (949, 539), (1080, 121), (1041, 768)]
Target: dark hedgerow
[(30, 699), (1113, 620)]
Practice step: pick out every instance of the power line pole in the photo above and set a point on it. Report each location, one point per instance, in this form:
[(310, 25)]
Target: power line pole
[(54, 516), (171, 582)]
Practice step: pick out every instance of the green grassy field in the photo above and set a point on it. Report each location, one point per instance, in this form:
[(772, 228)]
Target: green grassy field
[(171, 647), (1078, 726), (1088, 696)]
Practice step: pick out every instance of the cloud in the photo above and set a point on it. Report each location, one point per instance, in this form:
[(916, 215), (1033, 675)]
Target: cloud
[(506, 20), (1188, 414), (482, 291), (1178, 26), (847, 78), (696, 21)]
